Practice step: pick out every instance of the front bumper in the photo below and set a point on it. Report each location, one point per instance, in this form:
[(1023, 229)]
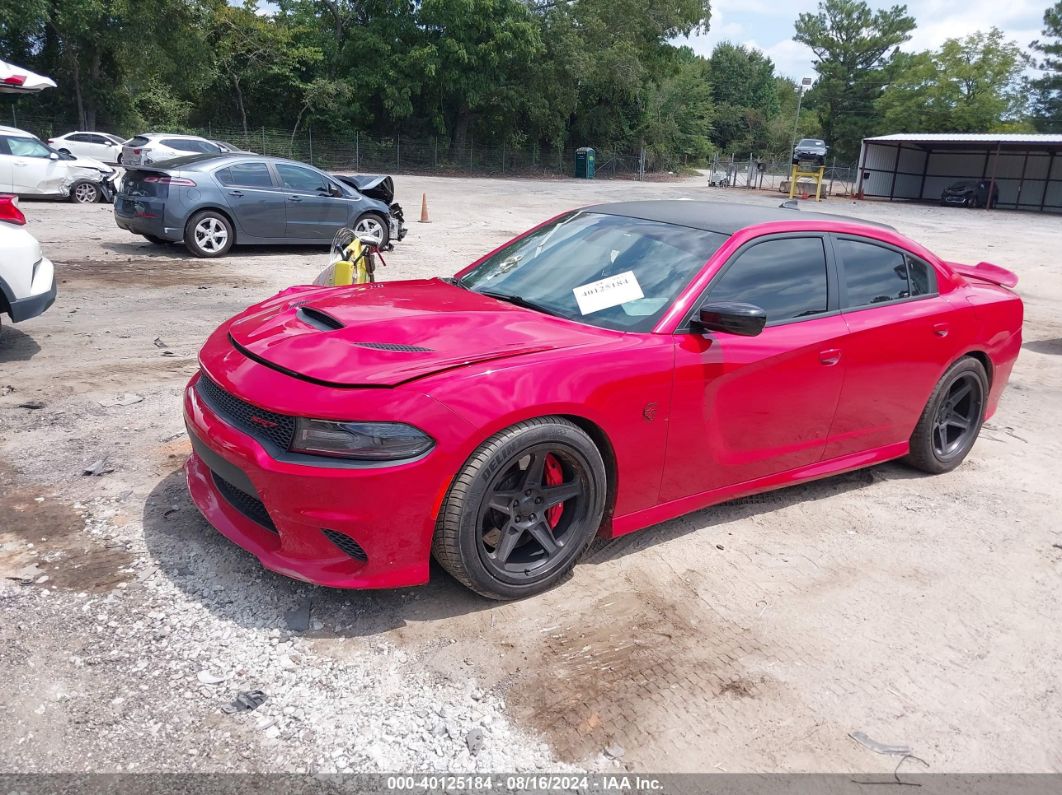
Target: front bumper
[(337, 526)]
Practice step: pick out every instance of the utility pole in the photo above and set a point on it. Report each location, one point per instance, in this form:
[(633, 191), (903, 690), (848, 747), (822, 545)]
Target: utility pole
[(805, 83)]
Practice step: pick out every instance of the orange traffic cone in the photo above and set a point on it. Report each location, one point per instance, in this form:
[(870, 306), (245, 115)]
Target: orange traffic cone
[(424, 209)]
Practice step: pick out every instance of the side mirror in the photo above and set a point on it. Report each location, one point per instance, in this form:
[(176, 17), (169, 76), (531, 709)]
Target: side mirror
[(54, 156), (746, 320)]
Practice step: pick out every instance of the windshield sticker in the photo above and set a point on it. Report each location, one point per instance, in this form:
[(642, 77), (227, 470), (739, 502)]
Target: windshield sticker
[(608, 292)]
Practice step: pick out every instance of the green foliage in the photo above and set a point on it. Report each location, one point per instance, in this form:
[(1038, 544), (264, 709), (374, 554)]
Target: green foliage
[(973, 84), (1047, 89), (854, 49)]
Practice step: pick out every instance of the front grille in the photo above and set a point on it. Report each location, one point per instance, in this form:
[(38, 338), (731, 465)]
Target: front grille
[(277, 429), (347, 544), (393, 346), (249, 506)]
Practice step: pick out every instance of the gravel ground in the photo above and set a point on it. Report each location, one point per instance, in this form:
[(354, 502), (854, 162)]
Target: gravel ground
[(754, 636)]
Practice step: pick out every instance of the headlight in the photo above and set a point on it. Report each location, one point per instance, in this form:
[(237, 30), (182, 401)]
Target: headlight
[(367, 441)]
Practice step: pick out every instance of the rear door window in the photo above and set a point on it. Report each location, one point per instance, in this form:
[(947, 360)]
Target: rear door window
[(786, 277), (245, 175), (876, 274)]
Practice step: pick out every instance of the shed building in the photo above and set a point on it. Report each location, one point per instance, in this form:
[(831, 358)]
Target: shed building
[(1026, 168)]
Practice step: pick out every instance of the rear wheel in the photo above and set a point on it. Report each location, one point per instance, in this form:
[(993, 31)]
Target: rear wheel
[(522, 510), (83, 192), (951, 420), (208, 234)]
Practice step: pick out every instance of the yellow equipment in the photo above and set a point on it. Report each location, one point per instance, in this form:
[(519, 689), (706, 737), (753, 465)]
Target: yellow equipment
[(816, 175), (355, 265)]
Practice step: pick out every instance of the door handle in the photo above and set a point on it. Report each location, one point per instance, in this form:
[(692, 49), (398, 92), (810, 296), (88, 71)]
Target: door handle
[(830, 356), (237, 193), (295, 198), (941, 329)]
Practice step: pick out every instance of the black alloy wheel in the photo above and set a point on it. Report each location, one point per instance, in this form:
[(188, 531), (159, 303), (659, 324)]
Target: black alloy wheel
[(958, 416), (531, 512), (523, 509), (952, 418)]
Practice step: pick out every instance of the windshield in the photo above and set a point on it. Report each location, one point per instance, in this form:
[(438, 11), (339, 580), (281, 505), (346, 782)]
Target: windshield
[(605, 270)]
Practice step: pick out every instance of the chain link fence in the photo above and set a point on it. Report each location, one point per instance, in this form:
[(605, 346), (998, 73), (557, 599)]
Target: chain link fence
[(774, 171), (359, 152), (356, 151)]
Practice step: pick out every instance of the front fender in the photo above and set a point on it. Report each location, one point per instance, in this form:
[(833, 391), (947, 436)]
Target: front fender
[(623, 389)]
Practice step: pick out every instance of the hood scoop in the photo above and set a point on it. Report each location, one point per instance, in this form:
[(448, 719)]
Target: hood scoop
[(322, 321)]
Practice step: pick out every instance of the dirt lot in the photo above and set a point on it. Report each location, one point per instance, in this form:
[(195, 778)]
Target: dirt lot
[(750, 637)]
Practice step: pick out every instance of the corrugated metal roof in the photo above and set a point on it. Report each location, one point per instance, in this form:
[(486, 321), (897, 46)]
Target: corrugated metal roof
[(968, 138)]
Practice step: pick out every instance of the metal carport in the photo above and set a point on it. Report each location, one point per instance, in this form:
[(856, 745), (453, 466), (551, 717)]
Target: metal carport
[(918, 166)]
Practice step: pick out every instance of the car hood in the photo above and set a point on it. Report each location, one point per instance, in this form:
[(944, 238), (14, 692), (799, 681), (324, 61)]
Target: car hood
[(89, 162), (380, 335)]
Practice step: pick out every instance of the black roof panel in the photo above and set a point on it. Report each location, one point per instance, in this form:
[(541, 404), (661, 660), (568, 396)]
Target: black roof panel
[(715, 216)]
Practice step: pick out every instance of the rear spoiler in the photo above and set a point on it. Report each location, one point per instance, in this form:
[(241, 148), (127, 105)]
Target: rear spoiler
[(986, 272)]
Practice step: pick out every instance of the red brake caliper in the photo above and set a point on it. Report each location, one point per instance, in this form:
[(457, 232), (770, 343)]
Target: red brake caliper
[(554, 477)]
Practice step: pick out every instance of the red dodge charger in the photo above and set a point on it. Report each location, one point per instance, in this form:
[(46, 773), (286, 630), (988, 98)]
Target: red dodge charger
[(612, 368)]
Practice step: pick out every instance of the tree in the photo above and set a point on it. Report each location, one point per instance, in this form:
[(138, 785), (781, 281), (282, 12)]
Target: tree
[(253, 54), (679, 122), (1047, 89), (972, 84), (854, 49), (743, 89), (475, 56)]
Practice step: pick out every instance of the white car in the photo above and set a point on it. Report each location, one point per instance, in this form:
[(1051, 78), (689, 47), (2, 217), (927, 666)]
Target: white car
[(148, 148), (99, 145), (27, 278), (30, 168)]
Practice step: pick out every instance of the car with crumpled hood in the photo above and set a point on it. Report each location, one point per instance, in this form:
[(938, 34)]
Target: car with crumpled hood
[(29, 167)]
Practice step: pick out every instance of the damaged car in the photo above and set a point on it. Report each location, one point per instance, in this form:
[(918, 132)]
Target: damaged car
[(29, 167), (211, 202)]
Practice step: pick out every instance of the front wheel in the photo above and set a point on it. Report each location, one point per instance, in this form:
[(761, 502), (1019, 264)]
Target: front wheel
[(372, 225), (951, 420), (523, 509), (83, 192), (208, 234)]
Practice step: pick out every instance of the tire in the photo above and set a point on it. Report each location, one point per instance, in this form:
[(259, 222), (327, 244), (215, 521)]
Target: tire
[(373, 223), (84, 192), (468, 541), (209, 234), (935, 450), (158, 241)]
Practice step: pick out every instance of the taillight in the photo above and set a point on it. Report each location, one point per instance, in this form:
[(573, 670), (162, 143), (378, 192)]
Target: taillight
[(14, 80), (137, 151), (9, 210), (163, 180)]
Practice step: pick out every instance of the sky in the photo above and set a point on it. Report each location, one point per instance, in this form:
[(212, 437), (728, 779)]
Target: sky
[(768, 26)]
